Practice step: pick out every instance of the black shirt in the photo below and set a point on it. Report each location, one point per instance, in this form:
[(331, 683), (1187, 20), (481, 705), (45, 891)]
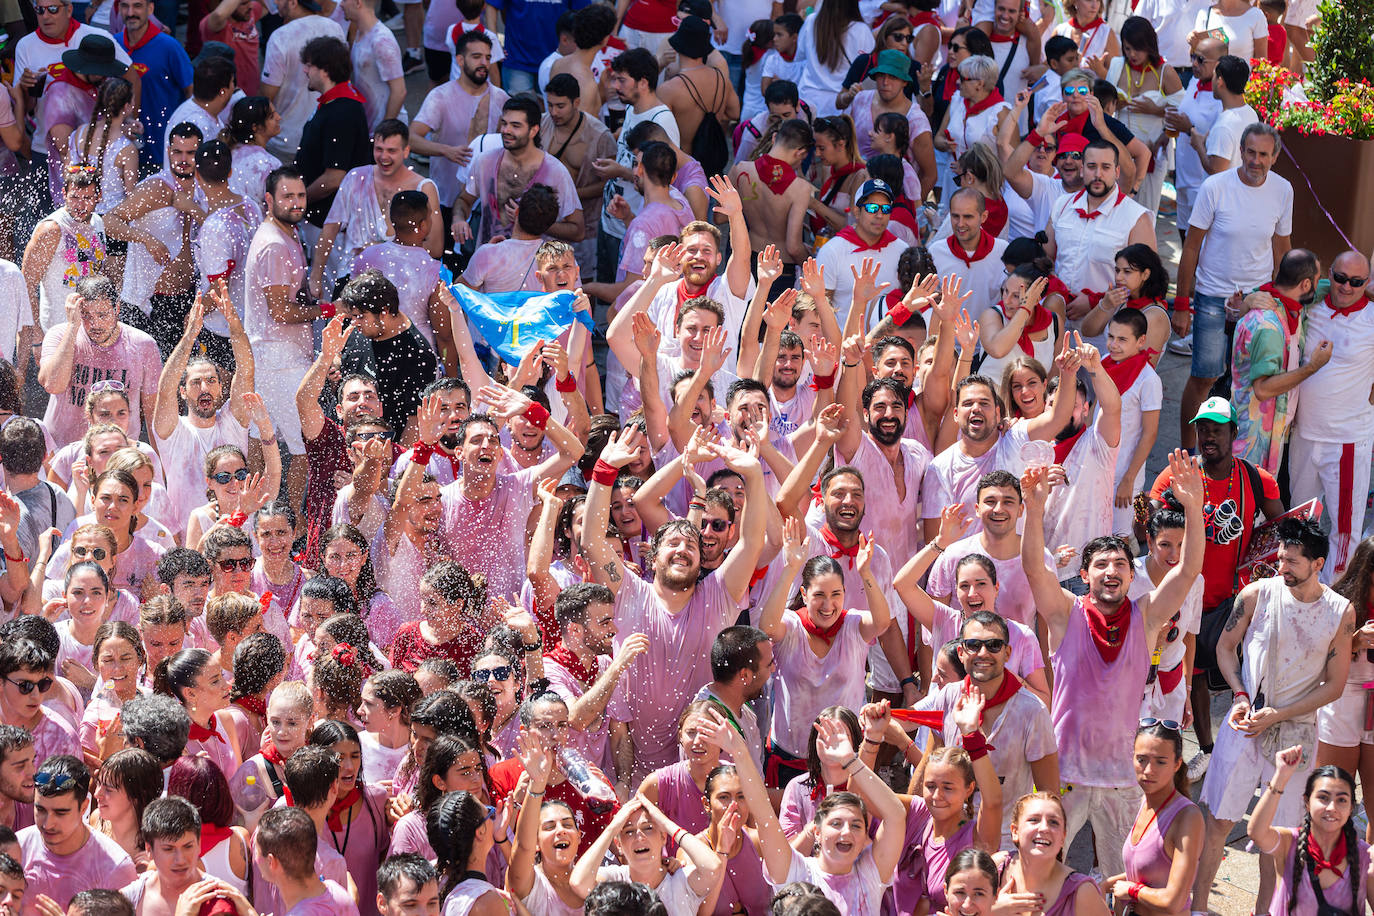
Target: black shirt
[(335, 137), (402, 365)]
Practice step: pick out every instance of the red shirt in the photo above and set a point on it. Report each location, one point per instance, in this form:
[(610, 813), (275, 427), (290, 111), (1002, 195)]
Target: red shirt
[(325, 456), (243, 38), (410, 649), (1278, 43), (1229, 511), (503, 777)]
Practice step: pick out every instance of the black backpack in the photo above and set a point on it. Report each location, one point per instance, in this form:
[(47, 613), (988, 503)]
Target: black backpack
[(710, 146)]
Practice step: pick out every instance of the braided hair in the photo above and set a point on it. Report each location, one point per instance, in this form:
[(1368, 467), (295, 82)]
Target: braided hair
[(113, 96), (452, 826), (1352, 850)]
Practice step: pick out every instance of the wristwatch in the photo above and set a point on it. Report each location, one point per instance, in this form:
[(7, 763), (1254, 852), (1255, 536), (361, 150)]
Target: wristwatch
[(534, 646)]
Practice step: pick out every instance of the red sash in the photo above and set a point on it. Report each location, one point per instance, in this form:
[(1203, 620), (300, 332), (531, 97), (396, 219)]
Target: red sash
[(983, 249), (1062, 447), (1010, 684), (1041, 318), (1125, 373), (211, 835), (201, 733)]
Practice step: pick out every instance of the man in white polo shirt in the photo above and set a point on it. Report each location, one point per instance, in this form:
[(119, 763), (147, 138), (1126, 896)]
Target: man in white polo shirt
[(868, 238), (970, 252), (1237, 233)]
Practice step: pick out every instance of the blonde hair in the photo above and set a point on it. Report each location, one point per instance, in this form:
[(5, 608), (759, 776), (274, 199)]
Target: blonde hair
[(104, 532), (297, 695), (958, 758), (101, 429), (129, 458)]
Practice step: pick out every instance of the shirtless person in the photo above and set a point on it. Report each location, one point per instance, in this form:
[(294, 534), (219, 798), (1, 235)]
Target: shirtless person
[(775, 201), (592, 26), (697, 88), (362, 207), (159, 221)]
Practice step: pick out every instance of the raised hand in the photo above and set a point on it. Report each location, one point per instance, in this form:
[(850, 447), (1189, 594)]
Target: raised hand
[(968, 709), (535, 758), (546, 491), (1088, 355), (1035, 486), (1287, 760), (823, 354), (555, 356), (195, 318), (258, 414), (335, 335), (832, 743), (635, 645), (726, 196), (854, 349), (739, 460), (866, 285), (527, 370), (715, 730), (714, 350), (429, 420), (667, 264), (502, 402), (831, 424), (874, 718), (1068, 360), (769, 266), (954, 524), (729, 828), (1053, 120), (966, 332), (794, 539), (779, 311), (647, 337), (622, 447), (1186, 479), (689, 471), (1034, 293), (863, 560), (812, 279)]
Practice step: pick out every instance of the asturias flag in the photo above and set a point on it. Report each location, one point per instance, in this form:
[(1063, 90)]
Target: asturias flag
[(513, 322)]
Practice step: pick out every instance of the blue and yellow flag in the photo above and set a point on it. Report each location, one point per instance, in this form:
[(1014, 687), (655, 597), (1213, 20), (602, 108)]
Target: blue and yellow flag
[(513, 322)]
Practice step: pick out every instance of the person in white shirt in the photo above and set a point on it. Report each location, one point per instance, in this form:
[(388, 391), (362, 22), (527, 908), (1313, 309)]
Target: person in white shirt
[(283, 77), (1142, 396), (970, 252), (213, 84), (867, 239), (972, 114), (1243, 27), (1239, 229), (1219, 146), (1166, 689), (1196, 111), (826, 45), (378, 73), (1173, 22)]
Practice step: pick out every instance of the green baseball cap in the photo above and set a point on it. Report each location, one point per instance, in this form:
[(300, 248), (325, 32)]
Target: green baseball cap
[(1218, 410)]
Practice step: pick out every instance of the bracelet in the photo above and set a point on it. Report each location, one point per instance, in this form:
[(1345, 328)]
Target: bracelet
[(938, 548), (907, 750), (22, 558), (1269, 786), (1236, 695), (533, 646), (604, 473), (1135, 889), (868, 740), (327, 309), (855, 759), (566, 385), (849, 365), (530, 793), (270, 440), (910, 679), (823, 382), (976, 743), (696, 504), (422, 452), (537, 416)]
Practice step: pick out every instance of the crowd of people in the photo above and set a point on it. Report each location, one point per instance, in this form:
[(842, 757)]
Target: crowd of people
[(812, 567)]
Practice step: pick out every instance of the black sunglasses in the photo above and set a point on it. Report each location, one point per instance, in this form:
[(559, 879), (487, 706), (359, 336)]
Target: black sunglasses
[(1345, 279), (244, 564), (1151, 722), (974, 646), (223, 477), (375, 434), (718, 525), (42, 685), (50, 10), (499, 673)]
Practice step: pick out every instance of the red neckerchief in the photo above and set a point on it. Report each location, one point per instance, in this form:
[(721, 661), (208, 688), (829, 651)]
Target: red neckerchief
[(1097, 211), (687, 292), (924, 17), (950, 85), (270, 753), (836, 176), (1202, 86), (827, 634), (1041, 318), (1096, 23), (61, 74), (1292, 308), (1125, 373), (851, 235), (758, 575), (1349, 309), (154, 30), (334, 819), (201, 733), (211, 835), (256, 705), (979, 107), (818, 790), (894, 299), (1002, 39), (775, 174), (1141, 302), (568, 659), (1108, 632), (1336, 863), (1075, 125), (71, 30), (835, 548), (1062, 447), (343, 90), (1010, 684), (984, 248), (997, 215), (904, 215)]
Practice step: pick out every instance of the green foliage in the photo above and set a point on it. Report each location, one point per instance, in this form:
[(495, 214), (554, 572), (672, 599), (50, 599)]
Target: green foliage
[(1344, 46)]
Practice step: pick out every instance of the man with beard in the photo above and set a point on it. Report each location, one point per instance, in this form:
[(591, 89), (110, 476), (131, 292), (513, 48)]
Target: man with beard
[(1238, 230), (90, 347), (451, 398), (578, 139), (1079, 510), (682, 610), (283, 78), (741, 664), (336, 138), (361, 213), (212, 419), (453, 115), (1265, 367), (1100, 646), (1278, 688), (278, 318), (160, 220), (164, 69), (983, 446), (1086, 229), (500, 176), (17, 767), (585, 667)]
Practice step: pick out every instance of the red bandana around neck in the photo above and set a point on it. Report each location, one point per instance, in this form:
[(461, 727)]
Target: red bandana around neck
[(1041, 318), (997, 216), (924, 17), (1062, 447), (1097, 211), (66, 36), (687, 292), (1336, 862), (835, 548), (824, 634), (1292, 308), (270, 753), (201, 733), (836, 178), (1125, 373), (1202, 86), (211, 835), (1074, 125), (256, 705), (1092, 25), (1003, 39), (983, 249), (152, 32), (335, 816), (61, 74), (950, 85), (979, 107), (1010, 684), (776, 175), (341, 91), (568, 659), (1348, 310), (851, 235), (1108, 631)]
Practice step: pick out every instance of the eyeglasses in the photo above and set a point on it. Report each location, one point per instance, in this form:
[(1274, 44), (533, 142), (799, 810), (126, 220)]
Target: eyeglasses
[(54, 782), (1199, 59), (877, 208), (107, 384), (1049, 148), (243, 564), (491, 814), (375, 434), (223, 477), (95, 553), (42, 685), (900, 36), (500, 673), (974, 646), (718, 525), (548, 726), (1073, 154), (968, 79), (1151, 722), (1077, 90), (1346, 280)]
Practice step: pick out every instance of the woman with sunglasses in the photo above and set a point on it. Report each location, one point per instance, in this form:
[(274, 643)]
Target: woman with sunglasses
[(193, 679), (838, 170), (894, 34), (232, 490), (118, 657), (972, 114), (1086, 28), (504, 677), (259, 782), (546, 841), (1161, 851), (357, 821), (1086, 117), (679, 789), (122, 788)]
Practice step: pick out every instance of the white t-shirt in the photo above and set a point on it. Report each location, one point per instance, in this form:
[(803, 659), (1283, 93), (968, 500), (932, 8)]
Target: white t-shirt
[(1223, 139), (1241, 31), (661, 115), (806, 683), (1146, 393), (819, 84), (14, 307), (839, 254), (857, 893), (1241, 221), (275, 259), (674, 891), (1081, 511), (983, 278), (952, 476), (183, 454), (376, 60), (1173, 20), (1189, 618), (221, 249), (281, 67), (189, 111)]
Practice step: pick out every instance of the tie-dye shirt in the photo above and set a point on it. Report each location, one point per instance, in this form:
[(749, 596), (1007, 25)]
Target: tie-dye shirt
[(1263, 347)]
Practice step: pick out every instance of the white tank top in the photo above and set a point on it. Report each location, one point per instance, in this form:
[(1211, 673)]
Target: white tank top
[(216, 863), (1287, 642), (80, 251), (141, 271)]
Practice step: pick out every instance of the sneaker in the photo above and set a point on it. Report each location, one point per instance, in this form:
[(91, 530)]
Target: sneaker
[(1183, 346), (1197, 767), (412, 63)]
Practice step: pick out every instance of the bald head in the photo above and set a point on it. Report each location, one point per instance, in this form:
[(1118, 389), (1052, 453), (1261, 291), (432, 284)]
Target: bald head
[(1349, 266), (1211, 48)]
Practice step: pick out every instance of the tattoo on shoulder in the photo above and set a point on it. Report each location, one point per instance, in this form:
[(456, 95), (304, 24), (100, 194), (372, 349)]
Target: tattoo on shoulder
[(612, 570), (1237, 612)]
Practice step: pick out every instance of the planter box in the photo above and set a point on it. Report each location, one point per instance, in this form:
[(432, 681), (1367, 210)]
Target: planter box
[(1342, 174)]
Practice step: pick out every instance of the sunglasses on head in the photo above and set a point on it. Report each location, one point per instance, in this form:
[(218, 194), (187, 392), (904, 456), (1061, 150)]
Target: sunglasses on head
[(244, 564), (54, 782), (1077, 90), (107, 384), (95, 553), (876, 208), (491, 814), (718, 525), (974, 646), (1151, 722), (223, 477), (499, 673), (1346, 280), (42, 685)]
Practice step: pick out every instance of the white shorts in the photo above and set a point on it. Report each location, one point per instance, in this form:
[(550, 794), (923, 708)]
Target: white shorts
[(1241, 764), (649, 41), (1111, 811), (1340, 723), (277, 383), (1299, 11)]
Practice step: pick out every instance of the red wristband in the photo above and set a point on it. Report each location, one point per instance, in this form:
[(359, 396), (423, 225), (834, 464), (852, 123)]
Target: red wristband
[(1034, 138), (823, 382), (421, 454), (1238, 694), (604, 473), (1134, 892), (536, 415), (899, 314), (238, 518), (1183, 305), (566, 385), (976, 743), (327, 309)]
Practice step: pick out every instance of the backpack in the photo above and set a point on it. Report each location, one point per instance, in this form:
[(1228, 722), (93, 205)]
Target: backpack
[(710, 146)]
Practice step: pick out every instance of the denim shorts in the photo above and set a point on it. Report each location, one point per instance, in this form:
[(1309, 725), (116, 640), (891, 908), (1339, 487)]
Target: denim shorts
[(1209, 336)]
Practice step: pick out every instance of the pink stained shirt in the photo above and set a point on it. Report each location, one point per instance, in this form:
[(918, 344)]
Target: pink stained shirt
[(920, 871), (952, 476), (132, 360), (1014, 601), (335, 901), (652, 220), (52, 736), (593, 742), (504, 267), (411, 835), (807, 683), (1025, 647), (895, 522), (363, 843), (489, 536), (99, 863), (415, 274)]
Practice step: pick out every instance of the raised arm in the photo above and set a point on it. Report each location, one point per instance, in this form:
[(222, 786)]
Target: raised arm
[(473, 372), (793, 557), (775, 317), (954, 522), (1050, 422), (506, 403), (795, 492), (1268, 839), (774, 849), (1052, 602), (335, 335), (834, 748), (1167, 597), (646, 341), (706, 862), (743, 558), (849, 395), (583, 877), (968, 716), (649, 498), (879, 614), (664, 269), (55, 369), (557, 358), (999, 335), (751, 353), (1108, 395), (540, 556), (166, 414), (728, 203), (537, 762), (601, 553), (813, 284), (714, 353)]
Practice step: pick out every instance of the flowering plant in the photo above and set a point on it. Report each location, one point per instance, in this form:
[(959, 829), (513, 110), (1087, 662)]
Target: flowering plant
[(1279, 99)]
